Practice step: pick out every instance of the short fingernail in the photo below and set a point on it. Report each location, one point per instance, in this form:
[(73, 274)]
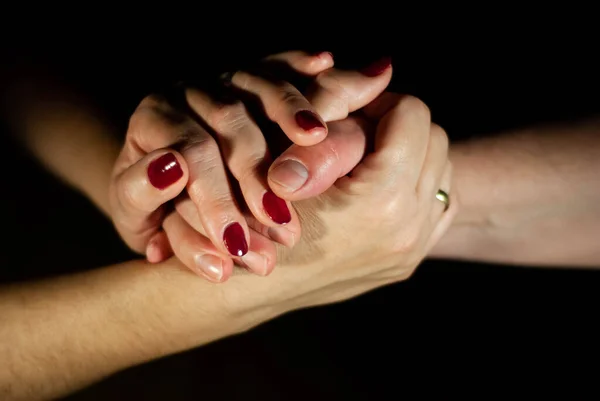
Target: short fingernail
[(256, 262), (377, 67), (235, 240), (282, 235), (322, 53), (164, 171), (276, 208), (211, 265), (308, 121), (289, 174)]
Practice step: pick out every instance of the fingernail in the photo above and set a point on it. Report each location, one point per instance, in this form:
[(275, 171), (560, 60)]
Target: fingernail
[(319, 54), (211, 265), (276, 208), (164, 171), (308, 121), (282, 235), (289, 174), (153, 254), (235, 240), (377, 67), (256, 262)]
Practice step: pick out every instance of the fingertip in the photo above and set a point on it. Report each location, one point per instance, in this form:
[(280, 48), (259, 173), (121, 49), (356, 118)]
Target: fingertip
[(158, 248), (166, 167), (322, 61), (313, 128), (378, 67), (284, 236), (153, 254), (258, 263), (305, 62), (212, 267), (262, 257)]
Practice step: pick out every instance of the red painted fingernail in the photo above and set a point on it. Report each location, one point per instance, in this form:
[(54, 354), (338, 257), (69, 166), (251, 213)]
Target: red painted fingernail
[(276, 208), (235, 240), (377, 67), (318, 54), (164, 171), (308, 120)]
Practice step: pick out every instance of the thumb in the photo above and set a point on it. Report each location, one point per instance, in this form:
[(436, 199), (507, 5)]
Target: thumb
[(303, 172), (335, 93)]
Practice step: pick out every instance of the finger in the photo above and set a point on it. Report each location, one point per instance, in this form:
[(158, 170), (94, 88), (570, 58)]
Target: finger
[(260, 258), (154, 125), (401, 140), (434, 175), (158, 248), (303, 62), (286, 106), (434, 166), (303, 172), (208, 187), (335, 93), (141, 190), (196, 251), (245, 154), (441, 219)]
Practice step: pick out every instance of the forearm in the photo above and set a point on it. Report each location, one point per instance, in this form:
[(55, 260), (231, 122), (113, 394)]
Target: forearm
[(62, 334), (528, 197), (65, 132)]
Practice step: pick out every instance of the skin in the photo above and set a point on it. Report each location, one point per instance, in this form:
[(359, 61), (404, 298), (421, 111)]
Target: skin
[(503, 218), (64, 333), (238, 147), (529, 197)]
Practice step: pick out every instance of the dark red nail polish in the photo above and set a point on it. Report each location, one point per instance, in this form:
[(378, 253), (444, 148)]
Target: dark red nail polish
[(164, 171), (377, 67), (276, 208), (308, 120), (317, 54), (235, 240)]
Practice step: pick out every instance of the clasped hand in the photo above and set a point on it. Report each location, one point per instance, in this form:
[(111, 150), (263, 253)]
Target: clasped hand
[(353, 197)]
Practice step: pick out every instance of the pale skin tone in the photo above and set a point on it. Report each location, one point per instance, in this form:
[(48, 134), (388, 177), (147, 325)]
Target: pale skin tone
[(64, 333), (45, 364), (529, 197)]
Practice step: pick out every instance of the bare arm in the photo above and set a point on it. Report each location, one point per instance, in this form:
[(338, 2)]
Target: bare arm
[(59, 335), (528, 197), (63, 130)]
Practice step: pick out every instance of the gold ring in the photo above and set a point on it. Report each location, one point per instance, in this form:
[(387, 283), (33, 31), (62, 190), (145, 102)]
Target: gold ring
[(443, 197)]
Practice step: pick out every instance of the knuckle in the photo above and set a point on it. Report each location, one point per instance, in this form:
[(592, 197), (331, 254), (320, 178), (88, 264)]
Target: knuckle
[(287, 93), (251, 166), (413, 105), (139, 118), (202, 151), (243, 79), (329, 87), (286, 96), (149, 124), (408, 241), (438, 134), (226, 117), (127, 192), (189, 134), (151, 101)]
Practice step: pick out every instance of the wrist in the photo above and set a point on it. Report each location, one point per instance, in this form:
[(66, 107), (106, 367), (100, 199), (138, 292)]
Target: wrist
[(472, 220), (194, 312)]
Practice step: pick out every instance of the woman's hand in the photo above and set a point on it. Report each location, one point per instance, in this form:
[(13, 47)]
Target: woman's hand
[(150, 172), (373, 226)]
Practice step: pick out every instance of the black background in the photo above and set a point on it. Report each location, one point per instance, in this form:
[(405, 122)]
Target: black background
[(452, 328)]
